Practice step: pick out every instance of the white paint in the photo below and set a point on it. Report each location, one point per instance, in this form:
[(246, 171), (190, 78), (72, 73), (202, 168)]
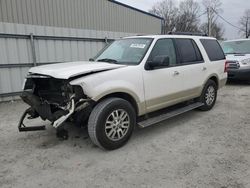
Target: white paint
[(71, 69), (146, 85)]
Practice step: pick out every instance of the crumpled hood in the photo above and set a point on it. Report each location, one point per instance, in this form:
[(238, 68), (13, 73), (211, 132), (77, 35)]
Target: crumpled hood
[(232, 57), (71, 69)]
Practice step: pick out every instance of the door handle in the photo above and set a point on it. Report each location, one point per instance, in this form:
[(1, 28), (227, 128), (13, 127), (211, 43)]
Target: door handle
[(176, 73), (204, 68)]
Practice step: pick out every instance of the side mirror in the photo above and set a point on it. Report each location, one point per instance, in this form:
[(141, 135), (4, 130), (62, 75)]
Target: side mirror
[(158, 62), (91, 59)]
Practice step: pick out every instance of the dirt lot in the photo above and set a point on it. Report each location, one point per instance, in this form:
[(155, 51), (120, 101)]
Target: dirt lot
[(197, 149)]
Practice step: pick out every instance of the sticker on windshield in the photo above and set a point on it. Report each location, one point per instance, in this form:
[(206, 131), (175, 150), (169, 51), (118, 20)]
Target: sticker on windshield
[(137, 45)]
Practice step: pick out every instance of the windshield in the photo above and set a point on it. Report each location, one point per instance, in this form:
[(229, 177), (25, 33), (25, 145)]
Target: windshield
[(236, 47), (125, 51)]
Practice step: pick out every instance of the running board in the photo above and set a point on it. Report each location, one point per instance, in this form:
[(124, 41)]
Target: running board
[(168, 115)]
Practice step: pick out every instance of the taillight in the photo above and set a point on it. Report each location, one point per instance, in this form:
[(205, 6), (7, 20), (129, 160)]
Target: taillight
[(226, 66)]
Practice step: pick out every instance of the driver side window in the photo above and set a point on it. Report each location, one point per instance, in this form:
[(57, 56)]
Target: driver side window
[(164, 47)]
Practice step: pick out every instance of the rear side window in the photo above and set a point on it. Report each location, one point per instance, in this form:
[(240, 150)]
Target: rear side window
[(189, 51), (213, 49)]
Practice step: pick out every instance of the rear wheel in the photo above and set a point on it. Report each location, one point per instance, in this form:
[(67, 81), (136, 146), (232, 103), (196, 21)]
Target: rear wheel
[(208, 96), (111, 123)]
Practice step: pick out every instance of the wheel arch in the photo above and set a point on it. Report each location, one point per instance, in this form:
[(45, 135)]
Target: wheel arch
[(213, 77), (123, 95)]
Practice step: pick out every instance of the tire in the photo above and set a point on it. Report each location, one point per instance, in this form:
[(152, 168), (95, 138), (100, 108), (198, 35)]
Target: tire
[(208, 96), (111, 123)]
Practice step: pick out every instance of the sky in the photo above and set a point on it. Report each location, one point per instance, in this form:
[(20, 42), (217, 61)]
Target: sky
[(232, 11)]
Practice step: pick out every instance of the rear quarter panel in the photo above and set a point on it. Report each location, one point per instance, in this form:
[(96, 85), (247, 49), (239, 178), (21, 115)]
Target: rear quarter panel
[(214, 68)]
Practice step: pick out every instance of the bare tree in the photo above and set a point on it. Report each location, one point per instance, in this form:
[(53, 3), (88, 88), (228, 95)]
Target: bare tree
[(217, 30), (182, 18), (213, 8), (185, 17), (245, 23), (168, 10), (187, 20), (212, 27)]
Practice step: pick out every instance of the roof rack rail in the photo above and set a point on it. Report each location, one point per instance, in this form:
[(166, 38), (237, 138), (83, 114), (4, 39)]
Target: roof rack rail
[(187, 33)]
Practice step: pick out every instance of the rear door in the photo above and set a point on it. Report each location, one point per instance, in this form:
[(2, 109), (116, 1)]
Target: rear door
[(192, 67)]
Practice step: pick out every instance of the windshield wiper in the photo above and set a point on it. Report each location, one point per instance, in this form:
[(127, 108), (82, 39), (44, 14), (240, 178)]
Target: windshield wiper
[(107, 60)]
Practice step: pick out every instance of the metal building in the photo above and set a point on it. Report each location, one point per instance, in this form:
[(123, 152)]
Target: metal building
[(35, 32)]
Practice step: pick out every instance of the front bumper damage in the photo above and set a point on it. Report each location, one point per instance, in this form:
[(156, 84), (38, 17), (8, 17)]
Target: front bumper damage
[(43, 109)]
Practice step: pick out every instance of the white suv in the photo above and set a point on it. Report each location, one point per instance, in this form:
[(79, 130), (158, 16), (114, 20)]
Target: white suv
[(131, 81), (238, 58)]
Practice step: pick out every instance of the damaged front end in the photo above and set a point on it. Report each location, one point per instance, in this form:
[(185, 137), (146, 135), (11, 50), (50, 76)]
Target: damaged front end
[(50, 99)]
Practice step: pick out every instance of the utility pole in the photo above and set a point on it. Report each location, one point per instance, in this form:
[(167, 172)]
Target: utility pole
[(247, 30), (209, 21)]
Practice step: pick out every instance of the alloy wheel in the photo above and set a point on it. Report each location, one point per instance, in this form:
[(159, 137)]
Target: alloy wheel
[(117, 125)]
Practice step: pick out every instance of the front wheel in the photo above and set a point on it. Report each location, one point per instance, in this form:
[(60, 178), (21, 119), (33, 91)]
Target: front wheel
[(111, 123), (208, 96)]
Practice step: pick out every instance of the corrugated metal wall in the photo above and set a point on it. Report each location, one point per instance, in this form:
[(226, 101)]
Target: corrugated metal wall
[(17, 51), (85, 14)]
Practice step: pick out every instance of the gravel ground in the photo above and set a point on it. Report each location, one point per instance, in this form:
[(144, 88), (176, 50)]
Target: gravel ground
[(196, 149)]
